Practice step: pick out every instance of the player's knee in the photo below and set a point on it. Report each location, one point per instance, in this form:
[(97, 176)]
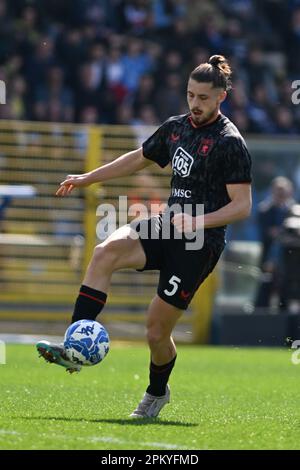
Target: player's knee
[(156, 336), (105, 256)]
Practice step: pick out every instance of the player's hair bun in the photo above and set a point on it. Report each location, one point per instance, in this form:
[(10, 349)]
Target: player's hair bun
[(216, 60), (221, 63), (217, 70)]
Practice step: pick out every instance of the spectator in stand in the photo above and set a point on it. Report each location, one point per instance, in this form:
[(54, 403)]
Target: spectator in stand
[(53, 92), (258, 71), (183, 37), (293, 43), (6, 33), (260, 111), (137, 14), (125, 114), (145, 94), (115, 74), (235, 40), (36, 67), (147, 116), (136, 63), (71, 52), (241, 119), (18, 97), (284, 121), (171, 63), (271, 214), (170, 98)]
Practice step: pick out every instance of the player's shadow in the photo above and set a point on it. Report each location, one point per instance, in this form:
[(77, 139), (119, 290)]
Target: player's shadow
[(132, 422), (141, 421)]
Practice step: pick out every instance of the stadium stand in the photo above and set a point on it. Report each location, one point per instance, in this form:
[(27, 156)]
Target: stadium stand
[(113, 61)]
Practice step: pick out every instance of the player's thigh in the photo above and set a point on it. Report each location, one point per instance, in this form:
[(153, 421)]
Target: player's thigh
[(125, 249), (183, 272), (162, 317)]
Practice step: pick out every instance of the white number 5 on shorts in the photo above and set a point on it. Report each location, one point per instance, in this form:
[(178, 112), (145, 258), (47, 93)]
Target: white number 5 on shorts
[(174, 281)]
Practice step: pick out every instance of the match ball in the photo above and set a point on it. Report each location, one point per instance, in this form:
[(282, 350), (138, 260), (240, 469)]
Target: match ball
[(86, 342)]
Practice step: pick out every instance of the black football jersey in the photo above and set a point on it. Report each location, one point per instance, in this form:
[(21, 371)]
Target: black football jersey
[(204, 159)]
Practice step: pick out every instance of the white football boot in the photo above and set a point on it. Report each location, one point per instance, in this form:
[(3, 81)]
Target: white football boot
[(150, 405)]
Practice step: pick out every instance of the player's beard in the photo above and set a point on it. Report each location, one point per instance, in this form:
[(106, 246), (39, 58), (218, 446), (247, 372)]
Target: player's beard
[(203, 119)]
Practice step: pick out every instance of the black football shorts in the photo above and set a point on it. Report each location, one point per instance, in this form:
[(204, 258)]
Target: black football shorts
[(181, 271)]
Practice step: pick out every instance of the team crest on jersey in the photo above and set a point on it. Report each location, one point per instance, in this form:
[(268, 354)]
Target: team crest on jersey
[(205, 147), (182, 162)]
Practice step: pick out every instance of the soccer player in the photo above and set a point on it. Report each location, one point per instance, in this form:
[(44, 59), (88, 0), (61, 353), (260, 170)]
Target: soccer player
[(211, 166)]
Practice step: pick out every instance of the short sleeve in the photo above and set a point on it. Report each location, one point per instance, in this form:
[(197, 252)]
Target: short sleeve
[(155, 147), (236, 161)]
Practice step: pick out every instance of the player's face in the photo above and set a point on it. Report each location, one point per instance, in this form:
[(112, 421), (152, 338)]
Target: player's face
[(204, 101)]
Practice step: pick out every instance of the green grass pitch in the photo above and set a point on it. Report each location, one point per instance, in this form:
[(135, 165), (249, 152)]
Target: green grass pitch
[(221, 398)]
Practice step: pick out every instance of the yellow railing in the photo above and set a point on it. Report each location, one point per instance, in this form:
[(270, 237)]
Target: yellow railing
[(93, 160), (46, 242)]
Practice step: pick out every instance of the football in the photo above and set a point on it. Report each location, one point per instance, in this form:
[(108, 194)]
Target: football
[(86, 342)]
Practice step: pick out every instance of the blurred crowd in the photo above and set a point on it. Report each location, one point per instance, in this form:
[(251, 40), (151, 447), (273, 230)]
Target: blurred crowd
[(127, 61)]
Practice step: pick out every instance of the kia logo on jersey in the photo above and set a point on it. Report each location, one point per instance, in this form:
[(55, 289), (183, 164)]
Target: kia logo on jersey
[(182, 162)]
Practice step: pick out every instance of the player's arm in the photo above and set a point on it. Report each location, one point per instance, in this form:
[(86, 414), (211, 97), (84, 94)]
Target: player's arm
[(125, 165), (238, 208)]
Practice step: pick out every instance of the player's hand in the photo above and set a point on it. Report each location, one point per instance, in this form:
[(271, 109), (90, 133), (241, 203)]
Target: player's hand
[(71, 182), (184, 223)]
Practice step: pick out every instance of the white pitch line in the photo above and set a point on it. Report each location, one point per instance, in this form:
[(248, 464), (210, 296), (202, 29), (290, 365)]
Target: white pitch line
[(114, 440), (107, 439)]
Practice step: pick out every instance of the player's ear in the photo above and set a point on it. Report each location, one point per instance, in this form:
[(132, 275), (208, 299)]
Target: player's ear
[(223, 96)]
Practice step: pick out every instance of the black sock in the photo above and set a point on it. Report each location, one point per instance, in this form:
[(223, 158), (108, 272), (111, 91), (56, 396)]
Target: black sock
[(89, 304), (159, 376)]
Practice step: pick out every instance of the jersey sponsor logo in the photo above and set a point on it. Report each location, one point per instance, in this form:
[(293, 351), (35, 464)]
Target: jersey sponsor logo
[(187, 193), (182, 162), (205, 147), (174, 137)]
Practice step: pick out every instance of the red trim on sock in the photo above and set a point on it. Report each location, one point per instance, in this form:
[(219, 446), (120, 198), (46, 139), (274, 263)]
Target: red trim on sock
[(93, 298)]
